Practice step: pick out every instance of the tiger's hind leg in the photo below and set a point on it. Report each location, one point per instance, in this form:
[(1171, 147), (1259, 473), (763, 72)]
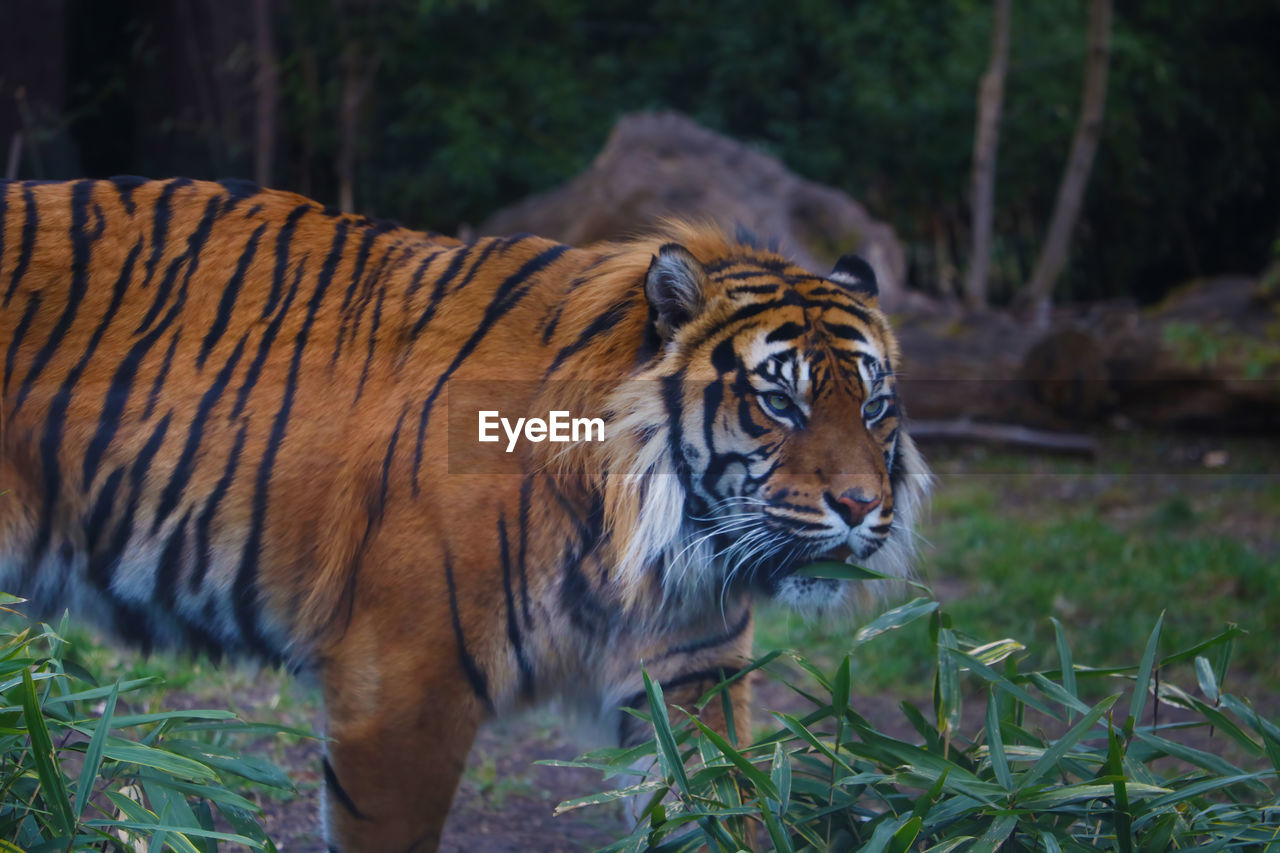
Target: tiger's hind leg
[(401, 726)]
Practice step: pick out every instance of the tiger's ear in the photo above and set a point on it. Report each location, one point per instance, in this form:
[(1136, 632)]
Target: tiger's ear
[(674, 287), (853, 273)]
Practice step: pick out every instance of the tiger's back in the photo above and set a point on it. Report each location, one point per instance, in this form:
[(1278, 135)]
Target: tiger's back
[(172, 420)]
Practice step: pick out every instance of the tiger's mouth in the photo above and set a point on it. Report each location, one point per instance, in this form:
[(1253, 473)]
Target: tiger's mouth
[(768, 578)]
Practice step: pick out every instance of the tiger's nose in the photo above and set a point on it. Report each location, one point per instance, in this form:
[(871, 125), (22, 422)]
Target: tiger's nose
[(852, 506)]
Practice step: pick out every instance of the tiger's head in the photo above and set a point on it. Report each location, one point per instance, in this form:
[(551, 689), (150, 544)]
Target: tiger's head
[(765, 431)]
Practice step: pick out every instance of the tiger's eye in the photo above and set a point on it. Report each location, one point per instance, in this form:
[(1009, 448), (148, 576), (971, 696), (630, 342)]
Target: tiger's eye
[(779, 404), (873, 408)]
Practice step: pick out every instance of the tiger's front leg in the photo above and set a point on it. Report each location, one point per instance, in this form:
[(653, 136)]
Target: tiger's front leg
[(401, 729)]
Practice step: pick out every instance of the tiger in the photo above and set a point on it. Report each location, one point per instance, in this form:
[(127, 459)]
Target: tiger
[(234, 419)]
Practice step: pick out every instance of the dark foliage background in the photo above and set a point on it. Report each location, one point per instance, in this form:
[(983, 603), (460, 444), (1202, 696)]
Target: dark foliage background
[(472, 105)]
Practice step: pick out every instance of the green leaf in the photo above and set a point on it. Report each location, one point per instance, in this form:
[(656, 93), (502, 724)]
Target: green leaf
[(1115, 767), (668, 752), (832, 570), (50, 775), (895, 618), (762, 783), (996, 833), (93, 754), (609, 796), (158, 759), (947, 696), (1208, 761), (780, 775), (99, 692), (988, 674), (1142, 683), (840, 689), (1064, 659), (1205, 677), (182, 831), (995, 744), (884, 834), (1049, 760), (781, 841), (905, 836)]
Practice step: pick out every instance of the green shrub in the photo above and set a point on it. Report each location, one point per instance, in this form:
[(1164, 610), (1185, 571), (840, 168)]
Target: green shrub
[(80, 771), (1044, 770)]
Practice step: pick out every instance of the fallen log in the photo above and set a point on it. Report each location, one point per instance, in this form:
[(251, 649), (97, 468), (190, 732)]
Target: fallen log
[(1069, 443)]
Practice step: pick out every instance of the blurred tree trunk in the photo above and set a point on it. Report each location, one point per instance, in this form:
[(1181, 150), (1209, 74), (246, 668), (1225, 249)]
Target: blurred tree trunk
[(359, 65), (985, 143), (266, 89), (1066, 210)]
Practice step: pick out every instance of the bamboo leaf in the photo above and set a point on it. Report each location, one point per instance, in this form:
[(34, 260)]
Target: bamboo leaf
[(47, 770), (995, 744), (93, 754), (1142, 684)]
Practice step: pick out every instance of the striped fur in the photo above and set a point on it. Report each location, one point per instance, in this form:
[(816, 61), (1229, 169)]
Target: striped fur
[(234, 419)]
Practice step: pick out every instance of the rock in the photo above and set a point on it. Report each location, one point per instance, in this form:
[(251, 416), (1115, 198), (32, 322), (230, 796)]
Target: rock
[(664, 165)]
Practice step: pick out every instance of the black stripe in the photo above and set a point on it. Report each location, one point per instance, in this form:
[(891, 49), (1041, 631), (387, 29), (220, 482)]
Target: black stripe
[(438, 291), (229, 295), (195, 433), (170, 565), (195, 243), (160, 225), (51, 439), (784, 332), (526, 487), (587, 611), (672, 390), (283, 240), (203, 550), (362, 258), (715, 675), (373, 341), (846, 332), (102, 507), (30, 223), (507, 295), (33, 304), (602, 324), (479, 683), (121, 387), (708, 642), (758, 289), (102, 566), (158, 384), (385, 491), (484, 256), (415, 281), (332, 784), (376, 283), (239, 189), (125, 185), (264, 347), (586, 276), (513, 627), (81, 240), (245, 590)]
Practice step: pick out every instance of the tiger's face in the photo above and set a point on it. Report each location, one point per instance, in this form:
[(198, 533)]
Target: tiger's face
[(784, 424)]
